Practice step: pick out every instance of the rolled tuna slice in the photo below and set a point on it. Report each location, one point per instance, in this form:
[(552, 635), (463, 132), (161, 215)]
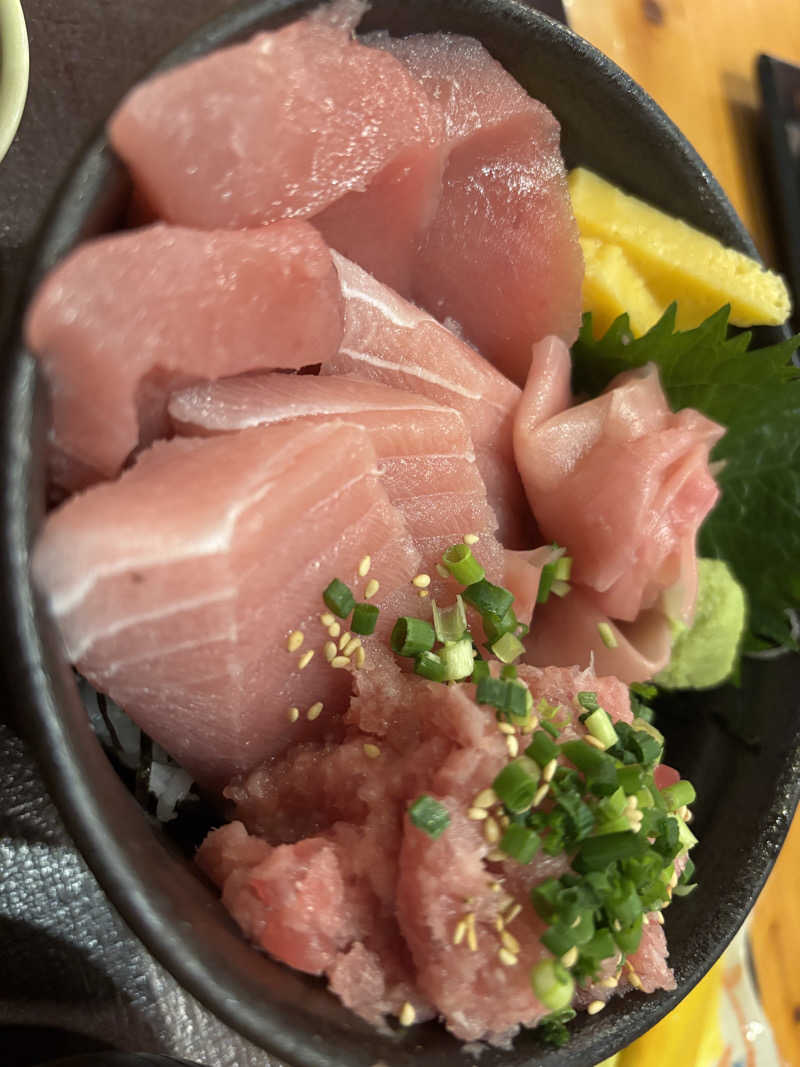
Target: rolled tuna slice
[(176, 587), (302, 122), (425, 453), (126, 318), (502, 255), (620, 481), (574, 630), (391, 341)]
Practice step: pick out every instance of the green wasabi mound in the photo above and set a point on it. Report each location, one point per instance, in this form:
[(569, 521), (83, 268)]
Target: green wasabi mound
[(704, 654)]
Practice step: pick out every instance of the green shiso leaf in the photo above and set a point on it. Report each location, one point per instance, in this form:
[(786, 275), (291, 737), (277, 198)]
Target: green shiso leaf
[(755, 527)]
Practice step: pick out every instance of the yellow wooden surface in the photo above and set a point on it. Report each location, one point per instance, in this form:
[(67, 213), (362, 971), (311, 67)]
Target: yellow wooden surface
[(697, 58)]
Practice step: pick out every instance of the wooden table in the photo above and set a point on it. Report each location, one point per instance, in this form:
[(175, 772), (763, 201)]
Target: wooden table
[(697, 58)]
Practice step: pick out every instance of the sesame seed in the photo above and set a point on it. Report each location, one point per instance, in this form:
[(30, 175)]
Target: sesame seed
[(495, 887), (549, 770), (510, 942), (295, 640), (541, 793), (689, 817), (485, 799), (371, 751), (346, 636), (499, 925), (496, 855), (632, 801), (340, 661), (570, 957), (422, 593), (513, 912), (472, 937), (471, 539), (334, 630), (372, 589), (506, 728), (407, 1013), (327, 619), (305, 659), (534, 722), (505, 821), (314, 711), (442, 571), (460, 931), (594, 742), (633, 977), (361, 656), (595, 1007), (508, 959), (673, 880), (609, 983), (364, 566), (659, 917), (512, 744), (421, 581), (491, 831), (329, 649), (352, 645), (293, 714), (477, 814)]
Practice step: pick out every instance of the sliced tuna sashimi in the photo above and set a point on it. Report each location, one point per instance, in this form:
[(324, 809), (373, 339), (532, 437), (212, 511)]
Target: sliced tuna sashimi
[(621, 481), (425, 453), (126, 318), (565, 632), (301, 122), (502, 255), (390, 340), (175, 588)]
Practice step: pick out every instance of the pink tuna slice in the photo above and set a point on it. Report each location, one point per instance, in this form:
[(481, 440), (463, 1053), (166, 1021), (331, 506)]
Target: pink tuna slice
[(426, 459), (303, 122), (126, 318), (565, 632), (175, 588), (502, 255), (389, 340), (522, 574), (621, 481)]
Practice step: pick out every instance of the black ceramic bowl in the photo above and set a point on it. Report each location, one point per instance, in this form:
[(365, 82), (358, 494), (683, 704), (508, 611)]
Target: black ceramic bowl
[(741, 747)]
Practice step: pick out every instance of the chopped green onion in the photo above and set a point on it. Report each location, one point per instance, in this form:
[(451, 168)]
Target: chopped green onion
[(488, 598), (631, 778), (544, 897), (685, 835), (507, 648), (563, 568), (600, 947), (339, 599), (558, 939), (494, 626), (520, 843), (675, 796), (628, 937), (411, 636), (365, 616), (480, 670), (552, 1029), (551, 728), (596, 853), (509, 674), (518, 700), (429, 665), (456, 657), (607, 635), (450, 623), (588, 701), (599, 725), (463, 566), (517, 783), (429, 815), (623, 904), (542, 748), (552, 984), (492, 691)]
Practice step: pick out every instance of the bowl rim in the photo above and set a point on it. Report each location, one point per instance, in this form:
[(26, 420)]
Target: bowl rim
[(14, 70), (60, 751)]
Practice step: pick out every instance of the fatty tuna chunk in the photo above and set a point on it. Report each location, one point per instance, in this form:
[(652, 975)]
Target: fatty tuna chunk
[(389, 340), (425, 453), (175, 588), (302, 122), (501, 256), (126, 318)]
